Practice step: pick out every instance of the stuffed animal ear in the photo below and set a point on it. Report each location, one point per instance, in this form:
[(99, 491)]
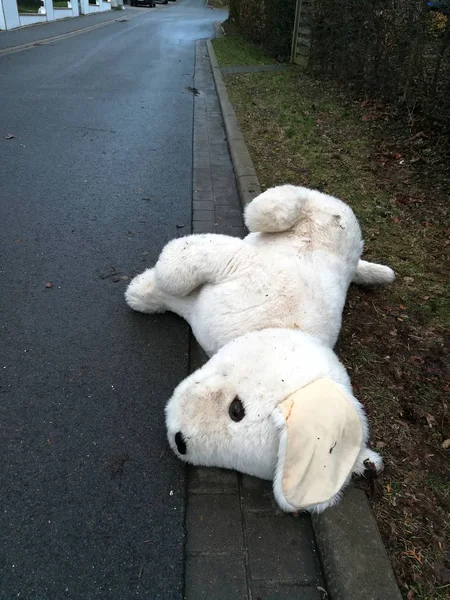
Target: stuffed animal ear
[(320, 439)]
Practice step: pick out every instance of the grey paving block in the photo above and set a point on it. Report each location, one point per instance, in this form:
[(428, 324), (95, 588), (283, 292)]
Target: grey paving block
[(280, 549), (203, 186), (225, 173), (218, 147), (278, 591), (230, 221), (213, 523), (257, 495), (235, 231), (224, 210), (207, 480), (203, 215), (226, 196), (201, 173), (203, 205), (203, 227), (205, 196), (215, 578), (226, 193), (201, 159), (219, 160)]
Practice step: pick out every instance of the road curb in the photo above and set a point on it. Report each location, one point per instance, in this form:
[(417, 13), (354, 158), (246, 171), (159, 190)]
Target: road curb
[(247, 180), (62, 36), (353, 556)]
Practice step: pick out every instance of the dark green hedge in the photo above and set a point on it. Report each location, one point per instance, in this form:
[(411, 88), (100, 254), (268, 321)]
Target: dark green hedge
[(267, 23)]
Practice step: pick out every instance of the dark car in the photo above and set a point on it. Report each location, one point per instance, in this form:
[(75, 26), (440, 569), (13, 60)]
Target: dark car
[(150, 3)]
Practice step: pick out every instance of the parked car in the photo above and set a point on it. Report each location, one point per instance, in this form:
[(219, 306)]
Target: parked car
[(150, 3)]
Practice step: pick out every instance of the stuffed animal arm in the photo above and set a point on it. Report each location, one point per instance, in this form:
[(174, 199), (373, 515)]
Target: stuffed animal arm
[(188, 262), (278, 405)]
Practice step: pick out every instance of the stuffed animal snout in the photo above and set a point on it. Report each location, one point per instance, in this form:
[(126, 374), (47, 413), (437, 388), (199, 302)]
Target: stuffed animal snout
[(278, 405)]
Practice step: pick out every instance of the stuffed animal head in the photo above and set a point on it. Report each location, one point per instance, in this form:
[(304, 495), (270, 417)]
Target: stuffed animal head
[(278, 405)]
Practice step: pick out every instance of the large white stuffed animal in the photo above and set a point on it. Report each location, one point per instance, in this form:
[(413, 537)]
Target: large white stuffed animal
[(276, 404), (292, 271)]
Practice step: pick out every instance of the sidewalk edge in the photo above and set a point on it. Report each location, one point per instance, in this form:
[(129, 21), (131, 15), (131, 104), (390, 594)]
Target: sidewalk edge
[(246, 177), (353, 556)]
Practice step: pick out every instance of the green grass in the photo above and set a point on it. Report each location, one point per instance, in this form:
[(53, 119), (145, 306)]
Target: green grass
[(306, 131), (301, 131), (59, 3), (234, 51)]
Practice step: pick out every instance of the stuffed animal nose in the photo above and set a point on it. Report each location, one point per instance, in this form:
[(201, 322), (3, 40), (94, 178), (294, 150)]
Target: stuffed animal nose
[(181, 444)]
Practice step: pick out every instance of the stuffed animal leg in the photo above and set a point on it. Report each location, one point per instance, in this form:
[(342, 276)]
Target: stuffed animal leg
[(368, 273), (323, 220), (278, 405), (188, 262), (185, 264)]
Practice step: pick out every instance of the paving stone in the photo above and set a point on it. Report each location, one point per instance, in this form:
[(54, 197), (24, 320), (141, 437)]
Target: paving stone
[(225, 173), (231, 221), (208, 196), (280, 548), (224, 210), (207, 480), (201, 158), (203, 215), (216, 578), (257, 495), (213, 523), (203, 186), (219, 161), (200, 173), (227, 189), (203, 227), (203, 205), (225, 196), (235, 231)]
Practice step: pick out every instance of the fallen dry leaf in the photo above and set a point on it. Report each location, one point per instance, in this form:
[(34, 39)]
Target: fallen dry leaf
[(446, 444), (49, 284), (443, 574)]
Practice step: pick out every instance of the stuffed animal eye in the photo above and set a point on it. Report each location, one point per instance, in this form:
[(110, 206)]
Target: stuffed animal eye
[(236, 410)]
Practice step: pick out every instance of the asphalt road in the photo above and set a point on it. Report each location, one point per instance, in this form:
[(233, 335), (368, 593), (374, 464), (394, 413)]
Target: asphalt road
[(95, 181)]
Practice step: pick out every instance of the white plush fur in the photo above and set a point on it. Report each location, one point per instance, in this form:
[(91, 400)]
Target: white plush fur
[(262, 369), (293, 270), (268, 310)]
